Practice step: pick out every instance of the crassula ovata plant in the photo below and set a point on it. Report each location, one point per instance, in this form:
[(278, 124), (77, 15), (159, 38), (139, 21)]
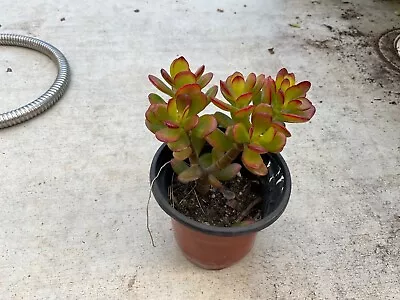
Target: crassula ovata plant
[(256, 110)]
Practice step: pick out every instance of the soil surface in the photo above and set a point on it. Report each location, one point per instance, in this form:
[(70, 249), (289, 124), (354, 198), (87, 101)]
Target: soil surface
[(213, 208)]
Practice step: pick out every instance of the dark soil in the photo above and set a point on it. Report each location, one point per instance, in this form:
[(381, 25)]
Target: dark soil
[(213, 209)]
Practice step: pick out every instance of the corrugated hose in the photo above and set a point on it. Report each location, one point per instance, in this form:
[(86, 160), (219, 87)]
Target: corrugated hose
[(52, 95)]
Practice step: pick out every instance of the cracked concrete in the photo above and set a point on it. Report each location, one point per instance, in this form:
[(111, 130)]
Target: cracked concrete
[(75, 180)]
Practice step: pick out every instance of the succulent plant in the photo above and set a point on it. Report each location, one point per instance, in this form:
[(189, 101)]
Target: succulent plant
[(258, 108)]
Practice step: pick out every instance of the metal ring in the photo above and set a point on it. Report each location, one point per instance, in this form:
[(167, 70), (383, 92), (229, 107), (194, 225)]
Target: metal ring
[(52, 95)]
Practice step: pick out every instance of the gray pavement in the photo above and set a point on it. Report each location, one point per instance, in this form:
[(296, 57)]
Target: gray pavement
[(74, 181)]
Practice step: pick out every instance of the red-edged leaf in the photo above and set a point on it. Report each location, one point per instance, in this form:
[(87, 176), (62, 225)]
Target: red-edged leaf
[(178, 65), (182, 101), (219, 140), (212, 91), (257, 148), (260, 171), (280, 77), (244, 113), (190, 122), (190, 174), (178, 166), (291, 78), (251, 159), (229, 172), (300, 116), (183, 154), (257, 98), (237, 85), (263, 108), (250, 81), (223, 120), (155, 99), (281, 127), (278, 100), (205, 79), (298, 105), (160, 85), (244, 100), (206, 125), (199, 102), (166, 77), (157, 112), (153, 127), (240, 134), (168, 135), (184, 78), (261, 122), (221, 105), (285, 85), (259, 83), (182, 143), (297, 91), (226, 92), (199, 71), (205, 160), (269, 89), (171, 124)]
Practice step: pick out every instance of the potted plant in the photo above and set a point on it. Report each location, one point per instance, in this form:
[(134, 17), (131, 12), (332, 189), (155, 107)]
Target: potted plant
[(220, 176)]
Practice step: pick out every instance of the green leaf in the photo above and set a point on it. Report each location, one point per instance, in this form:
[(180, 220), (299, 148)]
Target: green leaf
[(244, 100), (240, 134), (250, 81), (219, 140), (205, 79), (226, 92), (212, 91), (260, 121), (184, 78), (192, 173), (244, 113), (168, 135), (251, 159), (178, 166), (297, 91), (206, 160), (276, 145), (197, 144), (259, 83), (206, 125), (182, 101), (183, 154), (190, 122), (229, 172), (153, 127), (182, 143), (156, 99), (221, 105), (237, 86), (179, 65), (267, 137), (160, 85), (285, 85), (223, 120), (257, 148)]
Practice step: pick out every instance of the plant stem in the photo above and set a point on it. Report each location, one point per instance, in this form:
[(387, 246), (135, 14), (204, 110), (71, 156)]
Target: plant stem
[(225, 160)]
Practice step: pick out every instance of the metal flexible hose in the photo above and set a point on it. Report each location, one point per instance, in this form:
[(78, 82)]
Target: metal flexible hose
[(52, 95)]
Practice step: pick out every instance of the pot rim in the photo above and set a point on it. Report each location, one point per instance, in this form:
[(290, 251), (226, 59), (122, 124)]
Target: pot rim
[(266, 221)]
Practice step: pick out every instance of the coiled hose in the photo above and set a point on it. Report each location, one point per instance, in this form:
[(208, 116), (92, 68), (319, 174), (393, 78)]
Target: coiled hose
[(52, 95)]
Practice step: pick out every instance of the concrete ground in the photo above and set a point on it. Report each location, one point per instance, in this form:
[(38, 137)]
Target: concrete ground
[(74, 181)]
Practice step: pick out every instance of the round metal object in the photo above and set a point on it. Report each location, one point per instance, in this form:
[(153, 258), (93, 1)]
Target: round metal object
[(52, 95), (389, 47)]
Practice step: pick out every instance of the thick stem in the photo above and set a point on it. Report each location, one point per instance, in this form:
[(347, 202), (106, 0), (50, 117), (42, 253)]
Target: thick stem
[(225, 160), (202, 184)]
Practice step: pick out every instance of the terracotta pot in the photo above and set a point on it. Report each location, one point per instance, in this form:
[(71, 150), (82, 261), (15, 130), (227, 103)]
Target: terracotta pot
[(213, 247)]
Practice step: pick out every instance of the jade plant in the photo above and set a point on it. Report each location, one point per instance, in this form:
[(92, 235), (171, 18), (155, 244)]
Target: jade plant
[(206, 146)]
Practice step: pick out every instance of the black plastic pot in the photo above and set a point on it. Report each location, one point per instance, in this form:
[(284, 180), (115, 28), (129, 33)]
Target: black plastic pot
[(276, 187)]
